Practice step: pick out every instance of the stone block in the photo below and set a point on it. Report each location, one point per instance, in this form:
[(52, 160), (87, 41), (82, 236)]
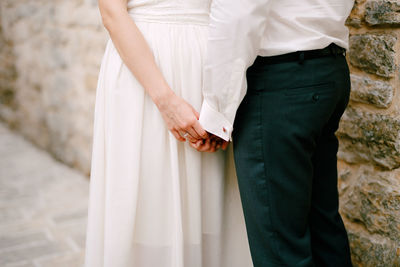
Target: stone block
[(382, 13), (353, 22), (355, 17), (374, 53), (373, 251), (366, 90), (374, 203), (57, 48), (370, 137)]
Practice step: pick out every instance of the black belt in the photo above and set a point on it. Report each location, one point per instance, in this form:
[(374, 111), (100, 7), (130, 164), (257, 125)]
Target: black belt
[(331, 50)]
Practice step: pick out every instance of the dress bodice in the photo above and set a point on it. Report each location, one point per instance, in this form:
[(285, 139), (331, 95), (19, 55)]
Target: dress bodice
[(170, 4), (180, 11)]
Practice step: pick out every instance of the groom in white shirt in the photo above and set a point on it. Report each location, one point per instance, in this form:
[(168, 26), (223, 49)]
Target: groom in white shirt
[(276, 78)]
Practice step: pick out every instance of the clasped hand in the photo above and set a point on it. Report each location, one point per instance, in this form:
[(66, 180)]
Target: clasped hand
[(183, 122)]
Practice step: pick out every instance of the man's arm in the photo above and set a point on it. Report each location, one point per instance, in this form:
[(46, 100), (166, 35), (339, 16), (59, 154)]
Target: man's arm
[(236, 30)]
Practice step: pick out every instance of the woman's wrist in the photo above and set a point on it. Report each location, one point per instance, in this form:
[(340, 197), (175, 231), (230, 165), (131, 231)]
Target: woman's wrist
[(162, 97)]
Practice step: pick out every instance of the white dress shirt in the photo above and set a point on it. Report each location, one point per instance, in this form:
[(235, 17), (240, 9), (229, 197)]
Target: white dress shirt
[(241, 30)]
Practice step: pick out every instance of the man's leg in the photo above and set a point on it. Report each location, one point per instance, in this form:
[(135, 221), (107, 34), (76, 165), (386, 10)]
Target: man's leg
[(276, 132), (329, 240)]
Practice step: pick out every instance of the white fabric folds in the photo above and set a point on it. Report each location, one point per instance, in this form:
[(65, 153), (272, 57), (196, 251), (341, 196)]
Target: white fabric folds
[(156, 202)]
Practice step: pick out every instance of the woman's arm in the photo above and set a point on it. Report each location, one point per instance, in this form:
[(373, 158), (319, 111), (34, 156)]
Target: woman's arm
[(179, 116)]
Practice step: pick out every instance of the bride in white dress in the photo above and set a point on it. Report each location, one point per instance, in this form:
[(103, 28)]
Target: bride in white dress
[(154, 200)]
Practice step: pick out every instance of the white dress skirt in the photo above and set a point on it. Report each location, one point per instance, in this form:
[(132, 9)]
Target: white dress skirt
[(154, 201)]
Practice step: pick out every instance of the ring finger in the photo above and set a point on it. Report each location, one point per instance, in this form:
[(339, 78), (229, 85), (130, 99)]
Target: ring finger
[(188, 136)]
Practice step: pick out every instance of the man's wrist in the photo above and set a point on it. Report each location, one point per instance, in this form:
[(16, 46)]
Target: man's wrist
[(215, 122)]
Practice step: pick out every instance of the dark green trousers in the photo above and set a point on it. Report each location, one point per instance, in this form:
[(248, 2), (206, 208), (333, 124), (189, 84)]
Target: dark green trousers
[(285, 153)]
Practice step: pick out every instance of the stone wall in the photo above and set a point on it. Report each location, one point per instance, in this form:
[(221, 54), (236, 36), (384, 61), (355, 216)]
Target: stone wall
[(370, 136), (50, 53)]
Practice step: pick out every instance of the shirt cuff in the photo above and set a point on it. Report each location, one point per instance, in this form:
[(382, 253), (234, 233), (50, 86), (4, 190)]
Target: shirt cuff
[(215, 122)]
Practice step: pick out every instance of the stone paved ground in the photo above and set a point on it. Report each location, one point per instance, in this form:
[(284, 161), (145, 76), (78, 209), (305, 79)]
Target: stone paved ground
[(43, 207)]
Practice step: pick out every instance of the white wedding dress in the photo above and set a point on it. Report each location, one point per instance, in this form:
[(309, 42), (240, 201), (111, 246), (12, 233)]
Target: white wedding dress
[(154, 201)]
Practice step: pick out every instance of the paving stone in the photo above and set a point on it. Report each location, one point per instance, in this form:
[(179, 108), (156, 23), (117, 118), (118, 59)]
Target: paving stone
[(43, 207), (75, 259), (8, 241), (32, 252), (21, 264), (68, 217)]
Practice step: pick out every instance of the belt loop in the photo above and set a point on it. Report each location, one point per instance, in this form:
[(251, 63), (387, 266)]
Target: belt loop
[(333, 50), (301, 57)]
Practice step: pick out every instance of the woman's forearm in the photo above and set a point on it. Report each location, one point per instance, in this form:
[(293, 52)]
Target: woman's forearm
[(180, 117), (133, 49)]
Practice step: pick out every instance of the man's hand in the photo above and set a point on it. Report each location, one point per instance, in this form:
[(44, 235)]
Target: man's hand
[(181, 119), (210, 144)]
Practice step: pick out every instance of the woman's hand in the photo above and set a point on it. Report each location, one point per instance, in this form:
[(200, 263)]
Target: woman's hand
[(181, 118)]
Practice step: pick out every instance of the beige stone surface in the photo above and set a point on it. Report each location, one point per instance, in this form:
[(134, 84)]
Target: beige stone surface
[(369, 180), (43, 207), (55, 47)]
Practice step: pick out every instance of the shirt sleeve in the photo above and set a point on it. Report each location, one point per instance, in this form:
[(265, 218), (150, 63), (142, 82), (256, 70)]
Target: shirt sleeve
[(235, 35)]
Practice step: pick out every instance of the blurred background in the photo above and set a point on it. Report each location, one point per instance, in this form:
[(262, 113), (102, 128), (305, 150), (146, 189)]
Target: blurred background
[(50, 54)]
